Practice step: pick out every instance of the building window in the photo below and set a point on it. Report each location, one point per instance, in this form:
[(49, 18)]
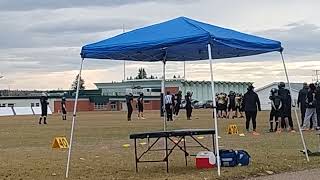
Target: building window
[(100, 106), (2, 105), (155, 90), (37, 104), (10, 105), (146, 102), (32, 104)]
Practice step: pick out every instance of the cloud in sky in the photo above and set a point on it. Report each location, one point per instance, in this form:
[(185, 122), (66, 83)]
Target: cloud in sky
[(41, 40)]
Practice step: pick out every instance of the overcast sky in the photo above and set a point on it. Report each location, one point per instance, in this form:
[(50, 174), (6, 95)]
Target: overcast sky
[(40, 41)]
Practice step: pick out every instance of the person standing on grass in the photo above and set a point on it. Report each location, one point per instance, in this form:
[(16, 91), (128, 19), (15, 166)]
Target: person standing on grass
[(231, 104), (286, 120), (302, 101), (44, 108), (276, 106), (188, 105), (64, 108), (311, 114), (178, 103), (140, 102), (168, 104), (129, 101), (251, 105)]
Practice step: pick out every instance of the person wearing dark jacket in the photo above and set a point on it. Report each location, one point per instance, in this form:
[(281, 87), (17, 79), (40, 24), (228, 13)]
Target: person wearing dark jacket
[(251, 104), (44, 108), (129, 101), (286, 120), (302, 101), (178, 103), (311, 108), (188, 105)]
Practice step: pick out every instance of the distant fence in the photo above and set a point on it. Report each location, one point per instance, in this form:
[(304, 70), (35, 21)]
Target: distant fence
[(16, 111)]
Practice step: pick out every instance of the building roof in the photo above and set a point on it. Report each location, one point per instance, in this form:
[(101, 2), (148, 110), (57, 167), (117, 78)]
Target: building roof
[(158, 81), (295, 86)]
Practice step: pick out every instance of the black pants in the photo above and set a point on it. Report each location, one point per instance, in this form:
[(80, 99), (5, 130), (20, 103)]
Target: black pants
[(303, 113), (189, 111), (318, 116), (169, 112), (130, 110), (251, 115), (283, 122), (177, 109)]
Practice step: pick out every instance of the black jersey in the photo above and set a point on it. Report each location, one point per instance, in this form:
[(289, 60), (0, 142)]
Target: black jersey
[(44, 102)]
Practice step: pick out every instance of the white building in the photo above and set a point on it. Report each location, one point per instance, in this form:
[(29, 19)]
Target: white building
[(264, 93)]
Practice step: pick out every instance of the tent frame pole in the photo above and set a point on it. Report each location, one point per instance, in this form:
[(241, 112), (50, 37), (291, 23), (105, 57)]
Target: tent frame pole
[(214, 110), (74, 117), (184, 70), (295, 109), (163, 89)]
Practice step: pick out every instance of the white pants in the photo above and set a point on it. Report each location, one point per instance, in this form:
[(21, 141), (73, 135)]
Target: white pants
[(311, 115)]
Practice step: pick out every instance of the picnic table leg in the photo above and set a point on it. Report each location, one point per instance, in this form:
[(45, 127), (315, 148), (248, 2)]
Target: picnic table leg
[(185, 149), (167, 158), (135, 153)]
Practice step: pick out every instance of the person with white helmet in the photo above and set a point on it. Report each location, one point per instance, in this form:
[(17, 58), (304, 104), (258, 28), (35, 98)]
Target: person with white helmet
[(44, 108)]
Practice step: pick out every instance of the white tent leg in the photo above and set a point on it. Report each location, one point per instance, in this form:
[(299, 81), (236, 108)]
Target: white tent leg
[(295, 109), (184, 70), (124, 70), (214, 111), (163, 89), (74, 118)]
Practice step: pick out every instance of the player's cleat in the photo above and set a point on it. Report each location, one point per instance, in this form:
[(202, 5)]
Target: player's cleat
[(271, 130)]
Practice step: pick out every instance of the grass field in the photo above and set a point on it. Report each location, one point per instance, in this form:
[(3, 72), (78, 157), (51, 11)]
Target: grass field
[(26, 153)]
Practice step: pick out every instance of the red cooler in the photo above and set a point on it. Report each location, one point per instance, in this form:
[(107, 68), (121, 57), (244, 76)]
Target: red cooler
[(205, 159)]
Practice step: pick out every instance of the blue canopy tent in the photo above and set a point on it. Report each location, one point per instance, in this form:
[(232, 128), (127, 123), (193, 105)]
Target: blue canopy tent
[(180, 39)]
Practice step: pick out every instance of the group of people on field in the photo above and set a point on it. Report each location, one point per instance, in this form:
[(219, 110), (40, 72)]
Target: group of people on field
[(229, 106), (281, 103), (309, 103), (44, 108), (171, 104), (140, 102)]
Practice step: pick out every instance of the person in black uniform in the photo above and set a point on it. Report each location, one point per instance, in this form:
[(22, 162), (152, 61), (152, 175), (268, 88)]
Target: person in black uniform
[(302, 101), (44, 108), (129, 100), (178, 103), (251, 104), (169, 106), (286, 120), (188, 105), (140, 106), (231, 104), (63, 108), (276, 106)]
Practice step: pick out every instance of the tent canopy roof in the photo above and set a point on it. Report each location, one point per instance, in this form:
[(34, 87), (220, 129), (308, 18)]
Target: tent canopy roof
[(180, 39)]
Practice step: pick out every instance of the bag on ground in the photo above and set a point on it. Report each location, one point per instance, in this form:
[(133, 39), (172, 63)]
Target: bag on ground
[(243, 158)]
